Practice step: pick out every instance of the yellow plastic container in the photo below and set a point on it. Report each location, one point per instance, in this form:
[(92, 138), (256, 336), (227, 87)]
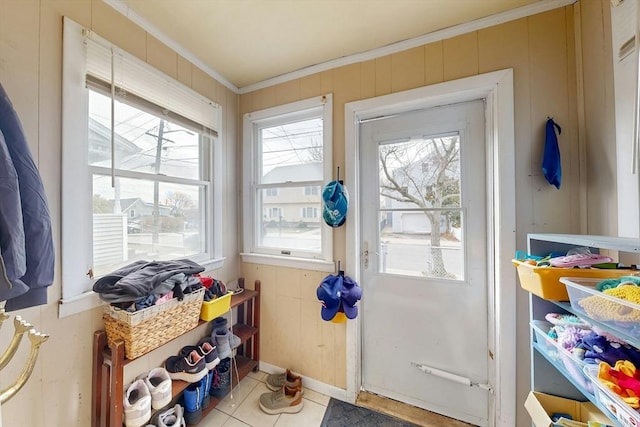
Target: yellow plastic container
[(545, 281), (216, 307)]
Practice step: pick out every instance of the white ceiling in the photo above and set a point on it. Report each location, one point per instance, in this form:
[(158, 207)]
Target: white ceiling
[(249, 41)]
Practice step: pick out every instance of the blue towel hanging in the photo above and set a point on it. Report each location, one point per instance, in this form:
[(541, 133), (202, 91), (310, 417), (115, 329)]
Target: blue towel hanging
[(551, 165)]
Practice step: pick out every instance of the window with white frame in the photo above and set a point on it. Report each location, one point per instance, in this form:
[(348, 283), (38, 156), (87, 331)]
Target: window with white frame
[(141, 165), (287, 160)]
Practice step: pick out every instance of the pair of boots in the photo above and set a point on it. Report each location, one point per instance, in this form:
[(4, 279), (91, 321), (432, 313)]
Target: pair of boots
[(225, 341), (196, 398)]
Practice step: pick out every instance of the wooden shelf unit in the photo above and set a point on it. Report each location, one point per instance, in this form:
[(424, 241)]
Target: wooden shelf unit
[(109, 362)]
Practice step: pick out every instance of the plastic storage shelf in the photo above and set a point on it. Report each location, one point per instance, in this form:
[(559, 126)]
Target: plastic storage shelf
[(545, 281), (625, 414), (620, 316), (560, 356)]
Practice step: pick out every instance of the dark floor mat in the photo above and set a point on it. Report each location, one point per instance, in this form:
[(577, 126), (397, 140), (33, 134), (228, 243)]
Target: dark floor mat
[(342, 414)]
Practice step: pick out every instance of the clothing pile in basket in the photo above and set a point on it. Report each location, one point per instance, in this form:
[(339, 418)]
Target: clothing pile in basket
[(143, 284)]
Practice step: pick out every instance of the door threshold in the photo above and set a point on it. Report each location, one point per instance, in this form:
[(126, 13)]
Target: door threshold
[(406, 412)]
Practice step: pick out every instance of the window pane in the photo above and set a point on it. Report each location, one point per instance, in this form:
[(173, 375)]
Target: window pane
[(143, 142), (143, 220), (292, 152), (421, 223), (412, 244), (290, 221), (421, 173)]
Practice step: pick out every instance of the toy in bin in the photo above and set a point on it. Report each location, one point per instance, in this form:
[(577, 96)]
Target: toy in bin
[(579, 257)]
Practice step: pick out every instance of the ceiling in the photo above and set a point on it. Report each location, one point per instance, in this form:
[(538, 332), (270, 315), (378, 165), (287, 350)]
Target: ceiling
[(249, 41)]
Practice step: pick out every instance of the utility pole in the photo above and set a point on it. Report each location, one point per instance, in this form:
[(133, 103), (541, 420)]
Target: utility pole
[(156, 185)]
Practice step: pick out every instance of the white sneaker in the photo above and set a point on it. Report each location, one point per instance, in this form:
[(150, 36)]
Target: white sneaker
[(172, 417), (137, 404), (158, 382)]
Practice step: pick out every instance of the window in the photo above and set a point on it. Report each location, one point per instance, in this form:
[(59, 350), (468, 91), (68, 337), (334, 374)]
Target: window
[(287, 160), (310, 212), (311, 191), (141, 166)]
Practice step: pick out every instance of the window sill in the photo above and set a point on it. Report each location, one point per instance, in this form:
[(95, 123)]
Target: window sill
[(301, 263), (90, 300)]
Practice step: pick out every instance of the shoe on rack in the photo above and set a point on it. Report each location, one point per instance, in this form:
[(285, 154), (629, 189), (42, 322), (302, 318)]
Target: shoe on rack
[(223, 345), (210, 354), (158, 382), (191, 368), (219, 324), (206, 388), (137, 404), (172, 417), (192, 396), (286, 400), (221, 379), (208, 348), (288, 378)]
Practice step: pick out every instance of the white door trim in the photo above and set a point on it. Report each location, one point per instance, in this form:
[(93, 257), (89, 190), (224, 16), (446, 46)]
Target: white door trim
[(497, 88)]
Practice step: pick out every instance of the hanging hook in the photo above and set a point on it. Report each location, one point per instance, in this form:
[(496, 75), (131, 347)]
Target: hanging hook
[(340, 272), (338, 177)]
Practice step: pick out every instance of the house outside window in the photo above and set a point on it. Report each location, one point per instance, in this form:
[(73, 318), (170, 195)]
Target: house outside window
[(141, 165), (287, 154)]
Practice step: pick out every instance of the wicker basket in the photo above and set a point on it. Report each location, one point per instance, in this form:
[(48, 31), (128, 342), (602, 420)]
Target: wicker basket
[(145, 330)]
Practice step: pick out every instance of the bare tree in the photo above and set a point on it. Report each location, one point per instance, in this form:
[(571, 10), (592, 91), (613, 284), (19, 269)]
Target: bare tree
[(428, 177), (179, 201)]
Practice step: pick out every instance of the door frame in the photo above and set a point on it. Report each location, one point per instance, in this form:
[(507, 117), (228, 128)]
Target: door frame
[(497, 88)]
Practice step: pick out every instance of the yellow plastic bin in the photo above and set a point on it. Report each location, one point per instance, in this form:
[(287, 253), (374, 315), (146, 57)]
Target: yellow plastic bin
[(545, 281), (216, 307)]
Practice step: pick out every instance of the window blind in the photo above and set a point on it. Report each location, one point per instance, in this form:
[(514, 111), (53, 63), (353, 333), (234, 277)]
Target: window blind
[(137, 78)]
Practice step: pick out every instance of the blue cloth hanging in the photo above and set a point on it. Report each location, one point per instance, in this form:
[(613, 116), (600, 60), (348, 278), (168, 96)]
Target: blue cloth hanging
[(551, 165)]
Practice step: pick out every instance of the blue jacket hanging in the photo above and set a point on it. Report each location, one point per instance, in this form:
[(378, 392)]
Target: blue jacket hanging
[(35, 220), (551, 165)]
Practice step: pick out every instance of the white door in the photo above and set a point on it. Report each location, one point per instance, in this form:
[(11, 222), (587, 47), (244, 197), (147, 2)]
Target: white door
[(423, 219)]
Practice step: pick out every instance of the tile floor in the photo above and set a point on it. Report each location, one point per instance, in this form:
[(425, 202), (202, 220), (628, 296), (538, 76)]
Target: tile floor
[(241, 408)]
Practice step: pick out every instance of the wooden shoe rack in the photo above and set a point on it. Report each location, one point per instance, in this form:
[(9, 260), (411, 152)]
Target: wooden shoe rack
[(109, 361)]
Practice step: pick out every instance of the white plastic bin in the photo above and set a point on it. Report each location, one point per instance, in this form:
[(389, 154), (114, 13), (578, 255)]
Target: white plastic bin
[(625, 414)]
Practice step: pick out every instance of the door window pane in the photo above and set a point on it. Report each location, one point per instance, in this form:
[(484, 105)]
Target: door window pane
[(421, 225)]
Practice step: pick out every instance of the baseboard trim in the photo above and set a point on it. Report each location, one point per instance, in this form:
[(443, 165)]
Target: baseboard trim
[(310, 383)]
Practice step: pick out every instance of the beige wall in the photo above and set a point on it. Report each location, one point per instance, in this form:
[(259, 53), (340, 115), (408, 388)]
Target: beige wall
[(59, 390), (542, 51)]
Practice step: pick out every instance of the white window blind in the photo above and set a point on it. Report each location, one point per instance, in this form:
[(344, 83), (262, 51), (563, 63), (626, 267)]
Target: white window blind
[(133, 76)]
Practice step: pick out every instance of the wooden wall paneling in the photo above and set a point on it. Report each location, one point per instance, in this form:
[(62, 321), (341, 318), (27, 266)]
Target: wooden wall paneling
[(433, 63), (310, 325), (408, 69), (368, 79), (288, 92), (115, 27), (161, 57), (571, 136), (202, 83), (548, 74), (340, 355), (460, 56), (310, 86), (184, 71), (383, 75), (601, 210), (20, 63), (326, 82)]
